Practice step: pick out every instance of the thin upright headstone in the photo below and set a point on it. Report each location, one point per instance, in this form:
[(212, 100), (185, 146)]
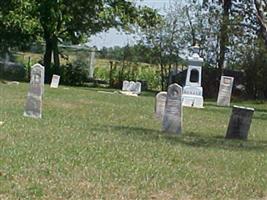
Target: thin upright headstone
[(173, 113), (225, 91), (55, 81), (239, 123), (160, 104), (92, 63), (33, 106)]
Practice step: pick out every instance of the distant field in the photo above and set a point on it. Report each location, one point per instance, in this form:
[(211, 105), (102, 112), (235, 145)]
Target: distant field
[(35, 57), (91, 145), (131, 71)]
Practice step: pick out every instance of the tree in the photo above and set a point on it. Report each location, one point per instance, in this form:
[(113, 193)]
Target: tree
[(261, 8), (16, 26), (69, 21), (65, 20), (166, 40)]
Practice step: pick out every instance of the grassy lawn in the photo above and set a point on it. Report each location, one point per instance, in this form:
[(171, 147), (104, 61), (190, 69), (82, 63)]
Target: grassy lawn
[(92, 145)]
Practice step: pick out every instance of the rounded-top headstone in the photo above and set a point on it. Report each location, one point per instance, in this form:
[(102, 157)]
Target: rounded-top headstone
[(160, 104), (172, 120)]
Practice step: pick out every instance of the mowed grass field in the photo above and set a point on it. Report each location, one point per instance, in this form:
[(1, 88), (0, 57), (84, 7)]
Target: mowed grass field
[(92, 145)]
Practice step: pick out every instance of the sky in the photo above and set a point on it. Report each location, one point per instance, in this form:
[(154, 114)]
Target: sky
[(115, 38)]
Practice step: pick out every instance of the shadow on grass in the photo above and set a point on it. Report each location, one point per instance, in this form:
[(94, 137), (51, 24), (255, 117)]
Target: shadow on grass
[(191, 139), (260, 116), (262, 112)]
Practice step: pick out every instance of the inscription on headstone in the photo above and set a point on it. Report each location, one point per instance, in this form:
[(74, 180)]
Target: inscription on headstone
[(55, 81), (33, 106), (225, 91), (239, 123), (160, 104), (172, 119)]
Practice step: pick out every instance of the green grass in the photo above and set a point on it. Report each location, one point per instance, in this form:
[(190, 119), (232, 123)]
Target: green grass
[(92, 145)]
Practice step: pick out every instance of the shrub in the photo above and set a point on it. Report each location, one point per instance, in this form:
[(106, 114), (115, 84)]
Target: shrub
[(12, 71), (74, 73)]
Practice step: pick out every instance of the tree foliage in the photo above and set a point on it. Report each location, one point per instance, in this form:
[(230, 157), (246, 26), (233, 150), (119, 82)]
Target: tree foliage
[(68, 21)]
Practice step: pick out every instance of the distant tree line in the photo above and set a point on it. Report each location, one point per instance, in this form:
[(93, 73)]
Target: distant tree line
[(232, 34)]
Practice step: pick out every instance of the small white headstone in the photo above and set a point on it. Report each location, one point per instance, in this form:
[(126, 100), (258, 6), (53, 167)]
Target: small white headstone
[(92, 64), (132, 86), (172, 120), (125, 85), (137, 88), (55, 81), (225, 91), (33, 106)]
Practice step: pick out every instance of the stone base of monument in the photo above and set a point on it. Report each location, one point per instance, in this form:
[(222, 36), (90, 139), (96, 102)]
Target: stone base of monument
[(239, 123), (192, 101), (128, 93)]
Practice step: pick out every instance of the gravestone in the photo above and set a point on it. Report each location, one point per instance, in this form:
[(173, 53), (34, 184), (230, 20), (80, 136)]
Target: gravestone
[(55, 81), (138, 87), (125, 85), (172, 119), (192, 91), (92, 63), (33, 106), (225, 91), (132, 86), (239, 123), (160, 104)]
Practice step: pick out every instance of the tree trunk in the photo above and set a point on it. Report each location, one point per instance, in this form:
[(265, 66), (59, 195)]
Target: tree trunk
[(260, 8), (110, 74), (224, 37), (162, 76), (47, 58), (56, 56), (170, 75), (193, 32)]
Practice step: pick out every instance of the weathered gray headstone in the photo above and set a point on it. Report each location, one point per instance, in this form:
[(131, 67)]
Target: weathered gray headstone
[(33, 106), (240, 122), (160, 104), (225, 91), (55, 81), (172, 119)]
